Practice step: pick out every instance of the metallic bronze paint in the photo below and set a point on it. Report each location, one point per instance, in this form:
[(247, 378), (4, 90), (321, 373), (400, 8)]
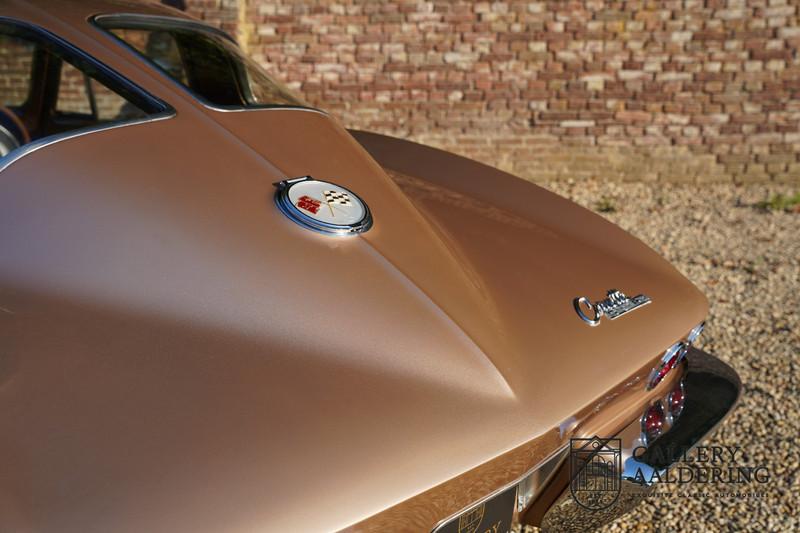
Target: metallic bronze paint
[(178, 356)]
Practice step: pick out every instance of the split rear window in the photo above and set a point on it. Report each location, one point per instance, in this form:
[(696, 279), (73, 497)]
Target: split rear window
[(203, 60), (50, 90)]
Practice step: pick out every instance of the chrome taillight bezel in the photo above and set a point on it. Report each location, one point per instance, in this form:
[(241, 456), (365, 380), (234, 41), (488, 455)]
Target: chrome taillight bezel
[(695, 333), (671, 358)]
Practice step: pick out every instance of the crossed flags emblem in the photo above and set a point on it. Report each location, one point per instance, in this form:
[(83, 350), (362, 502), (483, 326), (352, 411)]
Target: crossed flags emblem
[(337, 198), (334, 198)]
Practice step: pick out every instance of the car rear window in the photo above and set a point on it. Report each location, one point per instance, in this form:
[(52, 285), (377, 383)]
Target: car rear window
[(203, 60), (49, 90)]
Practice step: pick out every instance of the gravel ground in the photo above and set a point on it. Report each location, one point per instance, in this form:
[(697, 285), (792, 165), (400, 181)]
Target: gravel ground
[(747, 261)]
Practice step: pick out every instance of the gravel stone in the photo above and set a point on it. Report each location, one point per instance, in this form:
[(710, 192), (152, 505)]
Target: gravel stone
[(747, 262)]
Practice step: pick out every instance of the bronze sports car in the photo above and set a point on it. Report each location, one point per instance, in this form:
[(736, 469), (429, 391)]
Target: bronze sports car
[(222, 311)]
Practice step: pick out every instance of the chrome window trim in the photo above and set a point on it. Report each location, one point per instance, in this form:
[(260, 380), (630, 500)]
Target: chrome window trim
[(75, 51), (26, 149), (167, 111), (5, 133), (146, 18), (97, 20)]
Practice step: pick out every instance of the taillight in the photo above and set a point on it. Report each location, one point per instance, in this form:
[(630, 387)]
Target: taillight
[(675, 400), (671, 358), (653, 422)]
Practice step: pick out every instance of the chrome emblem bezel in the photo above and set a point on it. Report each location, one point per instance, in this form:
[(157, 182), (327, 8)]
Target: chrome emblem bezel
[(613, 306), (309, 221)]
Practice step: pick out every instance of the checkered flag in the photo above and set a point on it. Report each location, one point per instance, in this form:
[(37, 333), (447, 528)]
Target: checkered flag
[(337, 198)]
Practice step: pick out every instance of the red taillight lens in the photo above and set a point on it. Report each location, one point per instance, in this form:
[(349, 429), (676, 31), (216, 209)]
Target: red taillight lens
[(671, 358), (675, 400), (653, 422)]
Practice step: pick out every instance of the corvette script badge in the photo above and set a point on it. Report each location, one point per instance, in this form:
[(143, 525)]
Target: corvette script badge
[(322, 206), (615, 305)]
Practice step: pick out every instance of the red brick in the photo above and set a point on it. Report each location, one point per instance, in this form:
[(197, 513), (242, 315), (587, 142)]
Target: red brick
[(490, 80)]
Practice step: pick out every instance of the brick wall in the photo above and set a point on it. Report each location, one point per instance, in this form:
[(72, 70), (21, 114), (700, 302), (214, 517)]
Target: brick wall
[(16, 57), (635, 90)]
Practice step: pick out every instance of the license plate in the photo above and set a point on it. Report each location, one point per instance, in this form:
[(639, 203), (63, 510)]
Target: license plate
[(491, 516)]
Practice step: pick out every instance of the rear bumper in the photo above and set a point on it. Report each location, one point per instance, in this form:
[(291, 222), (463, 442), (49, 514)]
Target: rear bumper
[(712, 389)]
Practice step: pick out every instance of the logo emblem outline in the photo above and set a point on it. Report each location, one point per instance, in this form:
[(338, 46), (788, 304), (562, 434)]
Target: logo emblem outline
[(595, 467), (322, 206), (470, 521)]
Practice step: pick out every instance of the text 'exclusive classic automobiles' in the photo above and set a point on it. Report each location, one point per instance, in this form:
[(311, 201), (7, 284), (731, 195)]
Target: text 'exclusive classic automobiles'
[(222, 311)]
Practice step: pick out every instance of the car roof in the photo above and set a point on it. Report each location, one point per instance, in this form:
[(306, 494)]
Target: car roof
[(84, 9)]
